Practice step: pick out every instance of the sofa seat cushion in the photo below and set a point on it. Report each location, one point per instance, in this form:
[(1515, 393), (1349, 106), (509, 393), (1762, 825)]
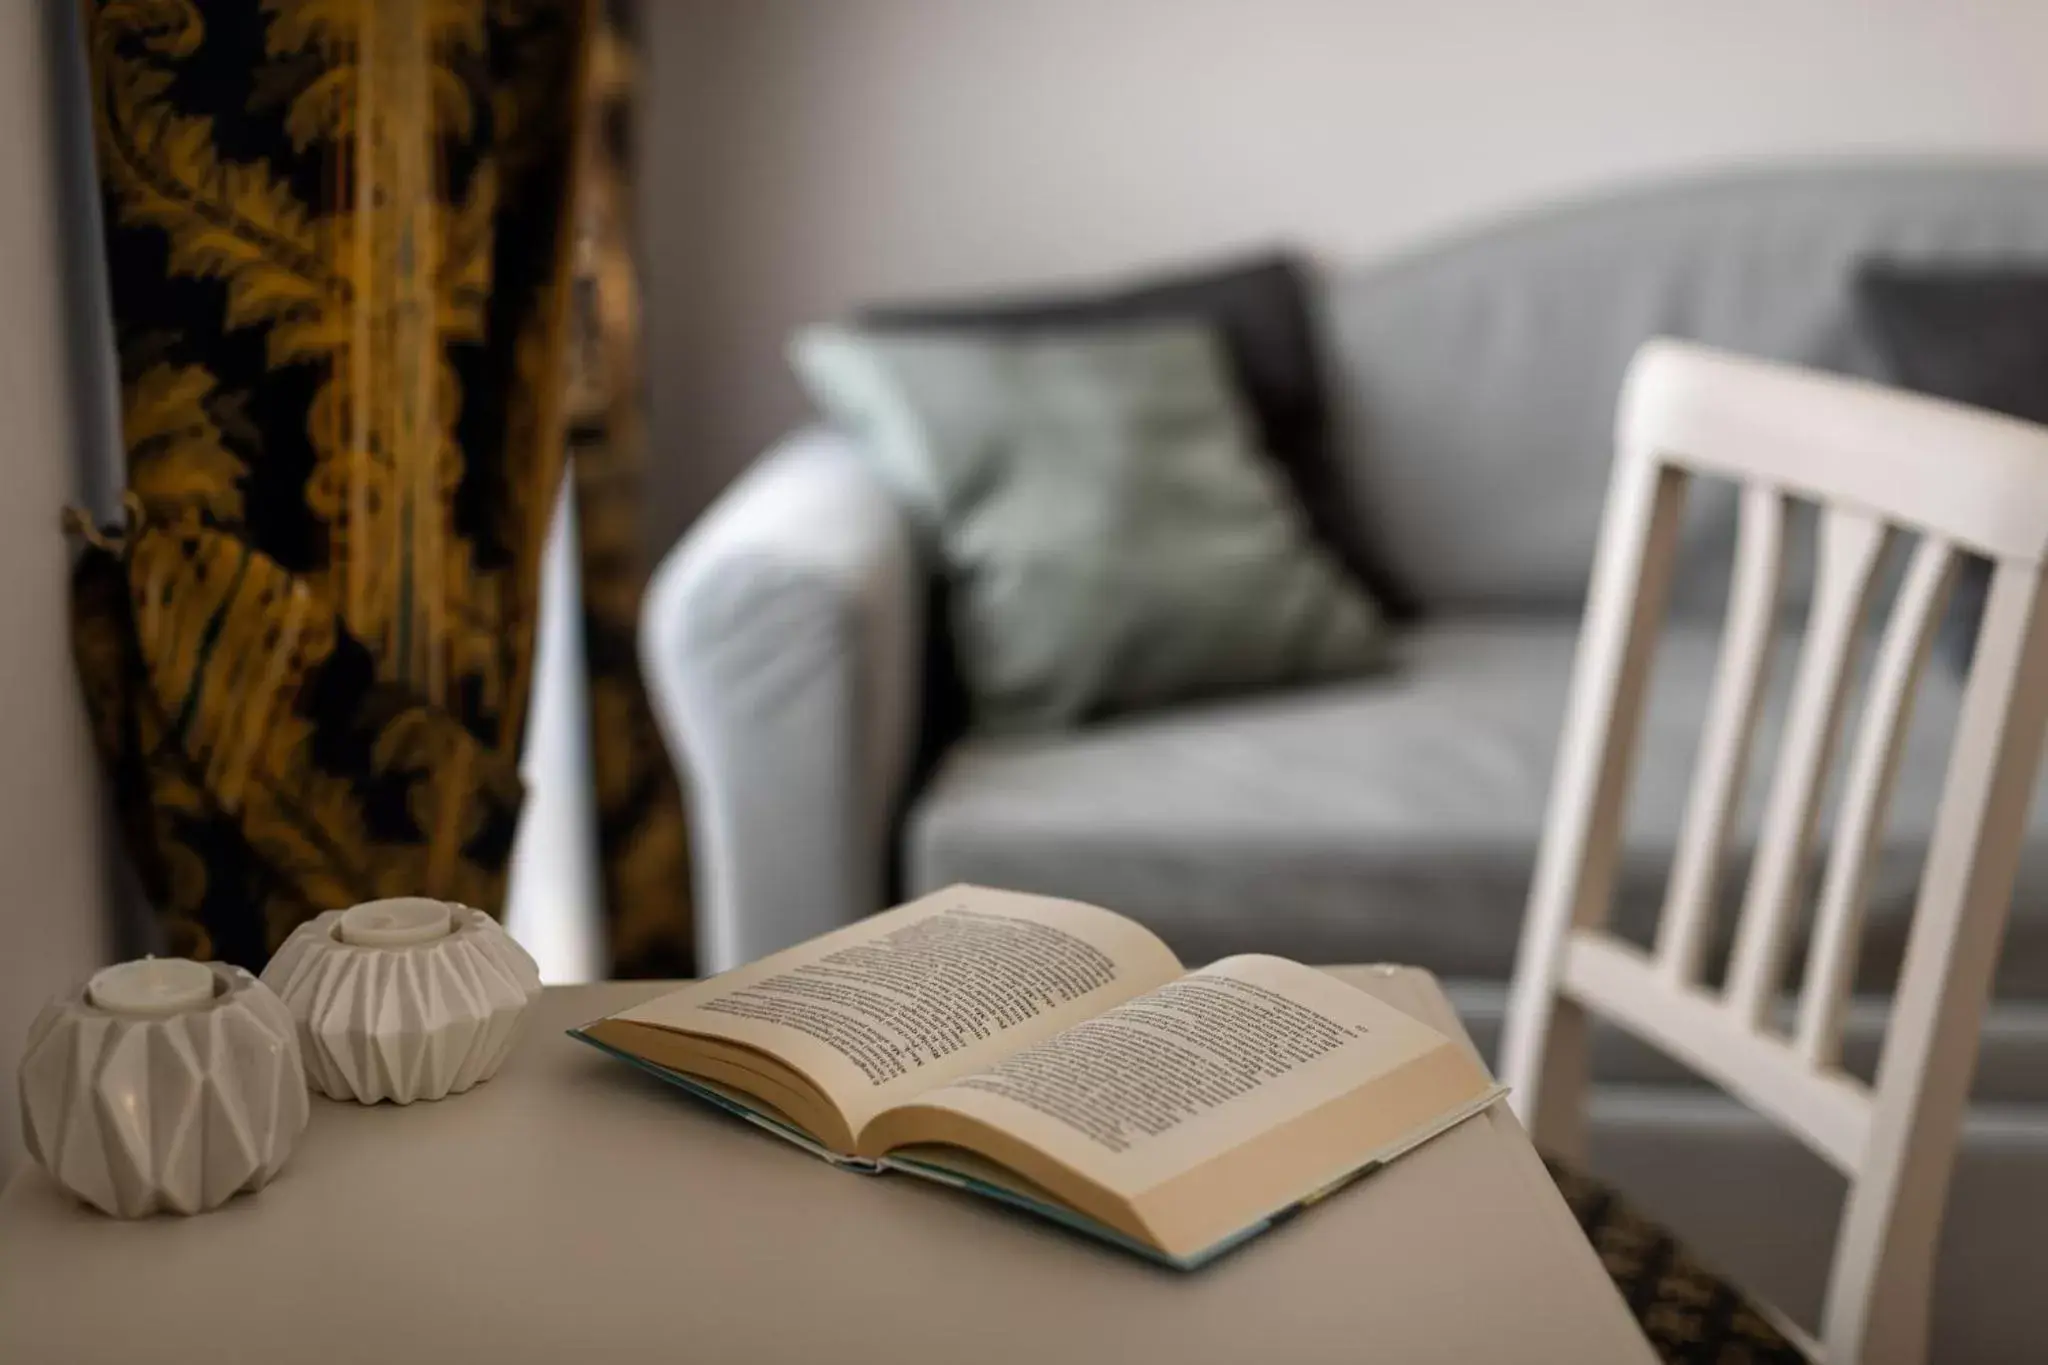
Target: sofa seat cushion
[(1394, 818)]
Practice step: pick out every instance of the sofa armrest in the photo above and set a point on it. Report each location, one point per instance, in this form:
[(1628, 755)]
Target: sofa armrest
[(781, 641)]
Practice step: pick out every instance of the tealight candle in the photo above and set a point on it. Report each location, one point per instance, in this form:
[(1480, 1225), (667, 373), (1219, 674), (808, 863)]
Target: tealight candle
[(151, 987), (396, 923), (163, 1086), (403, 999)]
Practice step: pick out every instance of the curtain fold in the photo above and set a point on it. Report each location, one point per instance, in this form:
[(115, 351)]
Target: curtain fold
[(340, 248), (642, 835)]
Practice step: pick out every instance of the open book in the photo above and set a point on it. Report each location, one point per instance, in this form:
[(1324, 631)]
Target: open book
[(1057, 1057)]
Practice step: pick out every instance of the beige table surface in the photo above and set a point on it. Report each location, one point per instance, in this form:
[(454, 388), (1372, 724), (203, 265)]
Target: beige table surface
[(575, 1210)]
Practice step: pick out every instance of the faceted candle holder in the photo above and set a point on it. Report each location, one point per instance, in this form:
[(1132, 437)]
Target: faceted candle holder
[(403, 1000), (163, 1085)]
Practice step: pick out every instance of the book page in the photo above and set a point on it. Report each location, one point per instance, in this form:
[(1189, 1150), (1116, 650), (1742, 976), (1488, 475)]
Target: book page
[(912, 998), (1155, 1093)]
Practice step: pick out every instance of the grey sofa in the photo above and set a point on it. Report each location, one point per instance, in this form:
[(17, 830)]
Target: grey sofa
[(1394, 817)]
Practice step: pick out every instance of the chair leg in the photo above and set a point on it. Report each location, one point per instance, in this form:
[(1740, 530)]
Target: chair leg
[(1545, 1059)]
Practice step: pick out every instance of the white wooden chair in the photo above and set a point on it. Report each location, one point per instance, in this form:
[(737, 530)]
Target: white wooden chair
[(1877, 463)]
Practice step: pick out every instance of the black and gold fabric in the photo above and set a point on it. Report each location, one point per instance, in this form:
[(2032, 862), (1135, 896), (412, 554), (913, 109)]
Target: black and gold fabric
[(339, 237), (642, 837), (1691, 1315)]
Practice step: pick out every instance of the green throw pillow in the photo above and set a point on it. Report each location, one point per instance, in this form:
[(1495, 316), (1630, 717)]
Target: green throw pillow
[(1112, 539)]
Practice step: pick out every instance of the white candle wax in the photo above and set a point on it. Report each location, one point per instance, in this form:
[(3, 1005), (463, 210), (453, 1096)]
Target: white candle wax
[(396, 923), (151, 986)]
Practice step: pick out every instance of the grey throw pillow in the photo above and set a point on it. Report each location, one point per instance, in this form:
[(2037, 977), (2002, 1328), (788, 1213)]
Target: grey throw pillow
[(1971, 332), (1112, 538)]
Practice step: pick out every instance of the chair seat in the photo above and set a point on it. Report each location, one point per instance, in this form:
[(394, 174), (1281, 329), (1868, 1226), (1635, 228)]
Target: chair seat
[(1691, 1315), (1394, 818)]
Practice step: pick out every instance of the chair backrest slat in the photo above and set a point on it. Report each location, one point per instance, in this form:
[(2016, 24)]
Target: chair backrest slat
[(1866, 799), (1879, 464), (1832, 1115), (1851, 544), (1725, 738)]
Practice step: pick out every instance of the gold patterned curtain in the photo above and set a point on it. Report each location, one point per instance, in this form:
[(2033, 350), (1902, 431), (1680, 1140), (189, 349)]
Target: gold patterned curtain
[(341, 247), (641, 832)]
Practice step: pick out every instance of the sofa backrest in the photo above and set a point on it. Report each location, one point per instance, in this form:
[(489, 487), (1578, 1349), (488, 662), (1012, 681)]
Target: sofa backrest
[(1475, 382)]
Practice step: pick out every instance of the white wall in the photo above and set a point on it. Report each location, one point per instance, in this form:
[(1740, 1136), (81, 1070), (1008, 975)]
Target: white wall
[(801, 155), (53, 921)]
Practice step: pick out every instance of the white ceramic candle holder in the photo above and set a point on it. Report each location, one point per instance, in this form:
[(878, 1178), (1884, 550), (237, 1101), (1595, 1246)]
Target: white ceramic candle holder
[(403, 1000), (163, 1085)]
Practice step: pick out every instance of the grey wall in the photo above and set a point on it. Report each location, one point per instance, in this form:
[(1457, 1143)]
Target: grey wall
[(53, 873), (804, 154)]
